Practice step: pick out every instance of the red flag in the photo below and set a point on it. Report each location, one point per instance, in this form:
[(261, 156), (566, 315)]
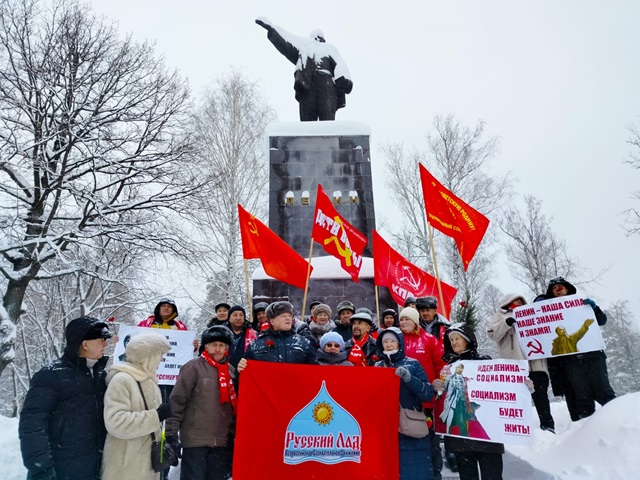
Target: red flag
[(452, 216), (318, 425), (337, 236), (279, 260), (404, 279)]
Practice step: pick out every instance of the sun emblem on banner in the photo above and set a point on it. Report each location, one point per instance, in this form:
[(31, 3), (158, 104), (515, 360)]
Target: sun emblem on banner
[(322, 413)]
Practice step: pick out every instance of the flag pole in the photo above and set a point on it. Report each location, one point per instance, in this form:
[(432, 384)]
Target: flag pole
[(435, 268), (306, 285), (377, 305), (246, 280)]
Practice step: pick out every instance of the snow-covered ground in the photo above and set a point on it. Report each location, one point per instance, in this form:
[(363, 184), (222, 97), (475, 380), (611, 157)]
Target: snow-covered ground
[(605, 446)]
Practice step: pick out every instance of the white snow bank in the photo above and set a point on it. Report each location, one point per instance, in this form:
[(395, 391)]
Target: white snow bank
[(10, 458)]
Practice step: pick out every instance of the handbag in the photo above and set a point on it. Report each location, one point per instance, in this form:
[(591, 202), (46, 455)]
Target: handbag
[(162, 454), (413, 423)]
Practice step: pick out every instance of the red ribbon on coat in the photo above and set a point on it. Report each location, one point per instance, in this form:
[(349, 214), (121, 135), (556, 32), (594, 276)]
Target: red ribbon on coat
[(227, 391)]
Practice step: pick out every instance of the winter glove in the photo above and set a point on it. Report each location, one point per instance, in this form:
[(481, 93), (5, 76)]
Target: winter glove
[(404, 374), (174, 441), (591, 303), (48, 474), (164, 411), (438, 385), (530, 385), (510, 321), (264, 23)]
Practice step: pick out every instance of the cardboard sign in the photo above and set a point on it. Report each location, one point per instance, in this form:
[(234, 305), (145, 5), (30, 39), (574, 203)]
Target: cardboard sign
[(181, 349), (556, 327), (486, 400)]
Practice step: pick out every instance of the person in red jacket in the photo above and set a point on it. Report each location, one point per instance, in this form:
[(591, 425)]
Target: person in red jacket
[(425, 348)]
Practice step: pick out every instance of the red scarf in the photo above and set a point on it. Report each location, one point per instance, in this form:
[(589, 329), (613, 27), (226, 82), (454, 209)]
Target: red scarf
[(356, 355), (264, 326), (227, 392)]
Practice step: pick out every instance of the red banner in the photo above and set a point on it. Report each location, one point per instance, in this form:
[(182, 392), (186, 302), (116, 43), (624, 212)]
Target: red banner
[(452, 216), (316, 422), (279, 260), (337, 236), (404, 279)]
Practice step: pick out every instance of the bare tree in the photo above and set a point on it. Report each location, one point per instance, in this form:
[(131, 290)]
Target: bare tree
[(536, 252), (623, 348), (229, 129), (91, 145), (459, 157), (633, 214)]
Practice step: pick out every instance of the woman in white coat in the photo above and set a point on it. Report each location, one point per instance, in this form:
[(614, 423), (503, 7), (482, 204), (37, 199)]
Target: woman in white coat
[(127, 451)]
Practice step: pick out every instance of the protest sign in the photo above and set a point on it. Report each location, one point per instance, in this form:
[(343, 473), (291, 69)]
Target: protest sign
[(181, 349), (316, 422), (486, 400), (556, 327)]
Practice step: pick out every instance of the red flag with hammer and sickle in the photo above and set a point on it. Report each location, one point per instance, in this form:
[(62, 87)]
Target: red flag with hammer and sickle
[(279, 260)]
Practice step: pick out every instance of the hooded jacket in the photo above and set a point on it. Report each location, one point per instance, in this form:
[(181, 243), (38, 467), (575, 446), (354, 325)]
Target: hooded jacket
[(155, 320), (418, 389), (425, 348), (459, 444), (505, 335), (127, 450), (61, 427)]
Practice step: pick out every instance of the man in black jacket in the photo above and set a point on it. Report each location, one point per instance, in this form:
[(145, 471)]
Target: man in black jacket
[(279, 343), (61, 427)]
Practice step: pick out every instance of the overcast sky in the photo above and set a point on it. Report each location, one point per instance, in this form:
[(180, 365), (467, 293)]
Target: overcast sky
[(557, 81)]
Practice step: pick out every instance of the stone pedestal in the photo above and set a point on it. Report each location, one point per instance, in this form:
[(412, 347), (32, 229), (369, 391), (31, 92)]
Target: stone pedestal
[(337, 156)]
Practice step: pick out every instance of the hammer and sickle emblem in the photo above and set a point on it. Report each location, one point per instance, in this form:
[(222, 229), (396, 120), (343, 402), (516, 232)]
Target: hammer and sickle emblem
[(343, 252), (253, 228), (535, 346)]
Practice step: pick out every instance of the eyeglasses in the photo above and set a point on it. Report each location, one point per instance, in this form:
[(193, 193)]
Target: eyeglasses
[(332, 345)]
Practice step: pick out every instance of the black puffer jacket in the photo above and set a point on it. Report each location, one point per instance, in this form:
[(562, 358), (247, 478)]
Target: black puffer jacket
[(459, 444), (281, 346), (61, 424)]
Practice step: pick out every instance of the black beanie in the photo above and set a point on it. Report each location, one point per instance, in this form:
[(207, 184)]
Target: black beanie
[(237, 308)]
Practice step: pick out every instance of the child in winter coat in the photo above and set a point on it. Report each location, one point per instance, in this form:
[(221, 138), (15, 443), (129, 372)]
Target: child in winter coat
[(203, 402), (129, 422)]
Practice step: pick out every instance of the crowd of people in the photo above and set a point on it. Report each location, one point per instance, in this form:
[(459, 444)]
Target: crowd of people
[(82, 420)]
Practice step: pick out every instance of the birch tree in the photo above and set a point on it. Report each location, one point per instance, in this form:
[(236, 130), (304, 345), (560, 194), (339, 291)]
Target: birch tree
[(91, 146), (229, 128)]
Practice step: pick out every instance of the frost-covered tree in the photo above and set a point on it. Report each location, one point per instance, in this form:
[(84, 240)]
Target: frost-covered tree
[(229, 127), (633, 213), (536, 252), (622, 339), (91, 145), (459, 157)]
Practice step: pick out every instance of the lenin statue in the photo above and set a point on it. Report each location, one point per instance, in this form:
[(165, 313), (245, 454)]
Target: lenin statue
[(321, 79)]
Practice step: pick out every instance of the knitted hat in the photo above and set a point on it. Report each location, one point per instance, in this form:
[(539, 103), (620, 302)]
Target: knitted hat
[(237, 308), (409, 300), (278, 308), (322, 308), (332, 337), (411, 313), (426, 302), (389, 334), (346, 305), (260, 307), (217, 333), (459, 328), (365, 317)]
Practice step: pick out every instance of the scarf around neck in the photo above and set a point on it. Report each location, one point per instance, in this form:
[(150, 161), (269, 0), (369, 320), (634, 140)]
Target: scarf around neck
[(227, 392), (356, 355)]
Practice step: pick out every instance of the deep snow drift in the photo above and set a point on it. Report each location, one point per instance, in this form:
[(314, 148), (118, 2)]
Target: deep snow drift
[(605, 446)]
